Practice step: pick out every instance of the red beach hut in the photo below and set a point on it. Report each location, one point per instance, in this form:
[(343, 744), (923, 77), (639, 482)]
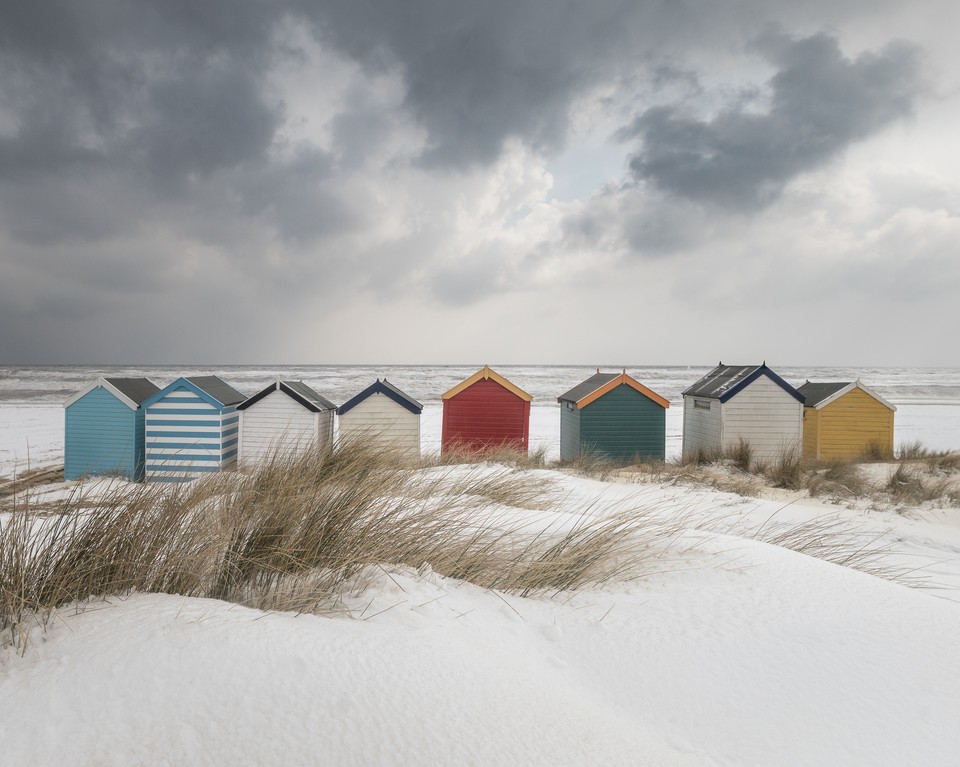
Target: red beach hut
[(485, 411)]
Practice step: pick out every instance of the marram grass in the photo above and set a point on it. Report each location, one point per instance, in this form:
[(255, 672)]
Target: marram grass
[(303, 530)]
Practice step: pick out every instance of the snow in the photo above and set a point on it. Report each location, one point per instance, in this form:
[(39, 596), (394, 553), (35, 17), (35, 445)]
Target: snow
[(730, 651), (31, 436), (775, 658)]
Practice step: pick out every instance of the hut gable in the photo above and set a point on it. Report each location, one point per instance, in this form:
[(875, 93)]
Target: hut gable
[(726, 381), (845, 420), (614, 416), (600, 384), (819, 395), (486, 373), (389, 391), (385, 414), (192, 427), (104, 428), (285, 416), (485, 411), (742, 402), (298, 391)]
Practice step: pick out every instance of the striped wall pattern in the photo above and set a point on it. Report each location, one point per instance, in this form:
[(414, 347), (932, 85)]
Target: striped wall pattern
[(186, 437)]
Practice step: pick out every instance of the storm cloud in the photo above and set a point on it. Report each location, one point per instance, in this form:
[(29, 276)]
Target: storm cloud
[(341, 168), (820, 102)]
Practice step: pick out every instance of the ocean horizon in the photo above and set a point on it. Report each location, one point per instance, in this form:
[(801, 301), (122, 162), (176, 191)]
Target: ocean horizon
[(32, 396)]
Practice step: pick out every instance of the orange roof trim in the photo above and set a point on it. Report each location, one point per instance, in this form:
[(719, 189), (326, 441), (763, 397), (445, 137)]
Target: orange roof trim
[(493, 375), (623, 378)]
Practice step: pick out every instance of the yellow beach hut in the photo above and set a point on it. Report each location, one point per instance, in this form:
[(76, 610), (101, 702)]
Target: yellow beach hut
[(845, 420)]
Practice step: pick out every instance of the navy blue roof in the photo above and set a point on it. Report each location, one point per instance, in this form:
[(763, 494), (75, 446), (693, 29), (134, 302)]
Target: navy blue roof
[(726, 381), (388, 390)]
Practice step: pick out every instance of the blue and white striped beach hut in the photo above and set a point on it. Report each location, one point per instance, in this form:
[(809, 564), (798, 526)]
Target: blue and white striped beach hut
[(103, 428), (192, 427)]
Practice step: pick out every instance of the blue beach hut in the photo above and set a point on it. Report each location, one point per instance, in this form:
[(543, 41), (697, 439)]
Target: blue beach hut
[(103, 428), (192, 427)]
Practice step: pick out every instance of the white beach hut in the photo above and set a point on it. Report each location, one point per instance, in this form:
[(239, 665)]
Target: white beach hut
[(285, 416), (747, 402), (382, 413)]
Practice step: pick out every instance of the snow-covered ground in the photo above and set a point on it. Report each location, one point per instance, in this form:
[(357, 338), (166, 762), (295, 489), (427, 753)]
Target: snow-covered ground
[(731, 651)]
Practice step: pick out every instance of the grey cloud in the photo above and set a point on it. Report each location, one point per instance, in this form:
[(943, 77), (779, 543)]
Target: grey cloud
[(468, 281), (126, 96), (145, 160), (478, 74), (820, 103), (202, 122)]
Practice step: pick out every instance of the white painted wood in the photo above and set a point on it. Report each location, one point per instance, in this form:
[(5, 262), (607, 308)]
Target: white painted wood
[(702, 429), (280, 423), (764, 415), (381, 419)]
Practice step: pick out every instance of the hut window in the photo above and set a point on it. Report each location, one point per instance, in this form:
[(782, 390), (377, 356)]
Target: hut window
[(701, 404)]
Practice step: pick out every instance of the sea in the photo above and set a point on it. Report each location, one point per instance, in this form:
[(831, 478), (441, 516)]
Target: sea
[(32, 397)]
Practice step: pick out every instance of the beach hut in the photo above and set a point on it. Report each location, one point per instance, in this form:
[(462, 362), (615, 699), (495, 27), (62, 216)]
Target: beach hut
[(384, 414), (103, 428), (748, 402), (485, 411), (845, 420), (285, 416), (192, 427), (614, 416)]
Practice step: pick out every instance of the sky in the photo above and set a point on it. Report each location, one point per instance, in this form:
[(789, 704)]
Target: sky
[(514, 182)]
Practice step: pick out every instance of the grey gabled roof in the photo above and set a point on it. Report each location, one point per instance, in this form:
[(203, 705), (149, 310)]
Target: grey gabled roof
[(815, 393), (589, 386), (725, 381), (296, 390), (219, 389), (137, 389), (302, 390)]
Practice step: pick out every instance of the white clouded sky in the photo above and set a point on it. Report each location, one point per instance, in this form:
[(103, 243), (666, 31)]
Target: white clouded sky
[(616, 183)]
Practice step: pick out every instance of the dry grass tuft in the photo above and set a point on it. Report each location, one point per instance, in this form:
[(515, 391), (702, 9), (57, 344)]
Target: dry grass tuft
[(701, 457), (506, 454), (302, 530), (592, 464), (297, 531), (837, 478), (910, 484), (874, 452), (845, 544), (912, 451), (740, 455), (787, 471)]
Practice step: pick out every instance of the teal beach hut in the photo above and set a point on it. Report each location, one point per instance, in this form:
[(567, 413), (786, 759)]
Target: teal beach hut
[(192, 427), (613, 416), (104, 428)]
